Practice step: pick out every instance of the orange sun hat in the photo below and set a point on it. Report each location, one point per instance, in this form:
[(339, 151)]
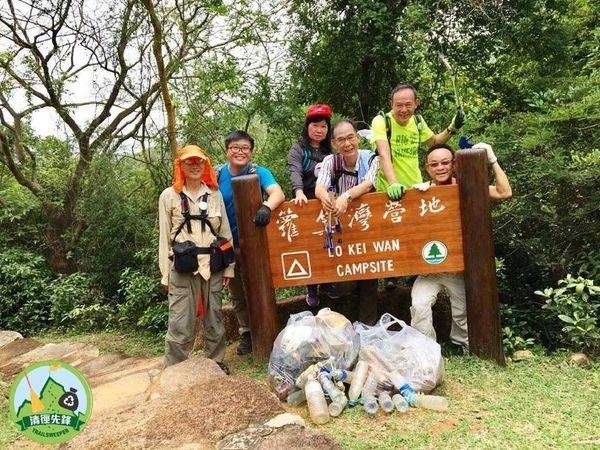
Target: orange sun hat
[(209, 177)]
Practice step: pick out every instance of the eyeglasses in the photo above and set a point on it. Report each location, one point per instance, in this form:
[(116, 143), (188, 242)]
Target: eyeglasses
[(342, 140), (445, 162), (239, 148)]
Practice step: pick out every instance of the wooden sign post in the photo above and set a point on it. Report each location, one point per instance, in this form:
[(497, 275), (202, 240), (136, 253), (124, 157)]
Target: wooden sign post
[(483, 311), (256, 275), (377, 238)]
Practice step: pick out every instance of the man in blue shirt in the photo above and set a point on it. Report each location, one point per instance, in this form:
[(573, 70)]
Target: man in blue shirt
[(240, 146)]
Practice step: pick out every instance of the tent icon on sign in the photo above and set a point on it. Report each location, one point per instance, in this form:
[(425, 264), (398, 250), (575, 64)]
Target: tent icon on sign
[(296, 265)]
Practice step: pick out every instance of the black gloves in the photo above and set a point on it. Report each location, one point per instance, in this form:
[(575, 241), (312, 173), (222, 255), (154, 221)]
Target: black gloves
[(458, 120), (262, 216)]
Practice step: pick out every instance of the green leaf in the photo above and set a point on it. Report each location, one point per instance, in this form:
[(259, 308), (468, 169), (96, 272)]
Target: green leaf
[(566, 318)]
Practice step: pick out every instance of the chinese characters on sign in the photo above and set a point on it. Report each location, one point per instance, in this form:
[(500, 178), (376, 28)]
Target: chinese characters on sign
[(376, 238)]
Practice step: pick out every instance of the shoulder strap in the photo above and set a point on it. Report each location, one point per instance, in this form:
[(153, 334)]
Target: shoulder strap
[(185, 210), (388, 132), (419, 123), (338, 171), (217, 168)]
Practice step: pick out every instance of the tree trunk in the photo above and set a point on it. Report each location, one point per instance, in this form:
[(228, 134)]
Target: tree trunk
[(56, 244)]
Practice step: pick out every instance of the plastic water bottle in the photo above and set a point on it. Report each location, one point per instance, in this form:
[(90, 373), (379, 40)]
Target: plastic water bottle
[(331, 389), (400, 403), (433, 402), (336, 407), (303, 377), (317, 405), (360, 375), (296, 398), (368, 394), (338, 398), (342, 375), (385, 401)]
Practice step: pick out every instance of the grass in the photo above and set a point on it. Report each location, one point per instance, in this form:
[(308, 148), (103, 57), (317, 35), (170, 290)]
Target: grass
[(536, 404), (540, 403), (132, 344)]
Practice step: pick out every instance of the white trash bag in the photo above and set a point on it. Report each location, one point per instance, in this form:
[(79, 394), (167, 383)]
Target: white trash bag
[(408, 352), (306, 340)]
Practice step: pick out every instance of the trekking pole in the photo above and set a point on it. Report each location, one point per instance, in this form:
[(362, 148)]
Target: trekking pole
[(453, 78), (329, 227)]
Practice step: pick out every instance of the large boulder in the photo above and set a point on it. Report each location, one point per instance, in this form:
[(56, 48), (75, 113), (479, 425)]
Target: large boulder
[(6, 337)]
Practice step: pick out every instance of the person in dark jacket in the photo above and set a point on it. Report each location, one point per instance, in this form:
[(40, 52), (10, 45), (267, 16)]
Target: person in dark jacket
[(309, 151)]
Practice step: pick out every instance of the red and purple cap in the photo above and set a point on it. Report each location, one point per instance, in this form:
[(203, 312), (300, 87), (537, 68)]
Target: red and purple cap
[(319, 111)]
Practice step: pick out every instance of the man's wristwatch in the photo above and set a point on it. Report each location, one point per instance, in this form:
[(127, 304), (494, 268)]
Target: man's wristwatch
[(348, 197)]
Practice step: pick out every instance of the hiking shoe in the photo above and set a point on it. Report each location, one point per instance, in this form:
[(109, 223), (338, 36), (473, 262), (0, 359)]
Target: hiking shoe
[(329, 290), (312, 299), (223, 367), (245, 346)]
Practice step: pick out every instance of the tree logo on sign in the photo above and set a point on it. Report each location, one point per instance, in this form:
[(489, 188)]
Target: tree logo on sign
[(434, 252)]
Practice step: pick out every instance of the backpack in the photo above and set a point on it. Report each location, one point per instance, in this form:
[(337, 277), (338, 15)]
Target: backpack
[(365, 157), (388, 130), (253, 169), (309, 156)]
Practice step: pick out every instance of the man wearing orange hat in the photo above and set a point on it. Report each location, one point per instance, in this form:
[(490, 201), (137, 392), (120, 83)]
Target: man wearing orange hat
[(194, 290)]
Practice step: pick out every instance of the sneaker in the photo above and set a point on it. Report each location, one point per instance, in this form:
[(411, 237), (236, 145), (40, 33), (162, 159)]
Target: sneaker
[(312, 299), (223, 367), (245, 346)]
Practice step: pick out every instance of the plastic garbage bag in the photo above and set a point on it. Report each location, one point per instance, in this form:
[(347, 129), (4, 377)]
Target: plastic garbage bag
[(307, 339), (408, 352)]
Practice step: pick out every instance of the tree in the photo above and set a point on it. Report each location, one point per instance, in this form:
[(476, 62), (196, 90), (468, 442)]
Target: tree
[(90, 64)]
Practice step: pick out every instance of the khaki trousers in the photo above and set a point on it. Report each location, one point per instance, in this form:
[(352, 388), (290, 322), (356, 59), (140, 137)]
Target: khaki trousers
[(424, 295), (184, 295), (237, 296)]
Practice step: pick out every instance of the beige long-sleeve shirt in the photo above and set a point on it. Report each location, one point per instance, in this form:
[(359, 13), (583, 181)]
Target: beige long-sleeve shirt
[(170, 217)]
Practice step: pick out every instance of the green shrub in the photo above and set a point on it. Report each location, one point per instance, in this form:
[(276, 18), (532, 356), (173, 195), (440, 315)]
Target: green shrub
[(24, 294), (516, 331), (142, 303), (78, 303), (572, 309)]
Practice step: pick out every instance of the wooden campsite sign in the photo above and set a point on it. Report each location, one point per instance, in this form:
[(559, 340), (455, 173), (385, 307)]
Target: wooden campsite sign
[(446, 229), (376, 238)]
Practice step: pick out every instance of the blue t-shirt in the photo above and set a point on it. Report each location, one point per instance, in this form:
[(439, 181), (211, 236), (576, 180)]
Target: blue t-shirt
[(265, 178)]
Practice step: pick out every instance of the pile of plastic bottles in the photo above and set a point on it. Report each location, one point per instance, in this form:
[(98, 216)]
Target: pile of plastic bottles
[(321, 381)]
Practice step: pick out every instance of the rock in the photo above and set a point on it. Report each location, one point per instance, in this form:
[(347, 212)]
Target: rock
[(580, 359), (196, 415), (69, 352), (100, 365), (120, 395), (522, 355), (123, 368), (6, 337), (248, 438), (295, 437), (285, 419), (191, 372), (16, 348)]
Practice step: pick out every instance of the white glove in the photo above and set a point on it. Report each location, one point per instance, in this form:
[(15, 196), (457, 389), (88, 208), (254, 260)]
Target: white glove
[(423, 187), (488, 149)]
